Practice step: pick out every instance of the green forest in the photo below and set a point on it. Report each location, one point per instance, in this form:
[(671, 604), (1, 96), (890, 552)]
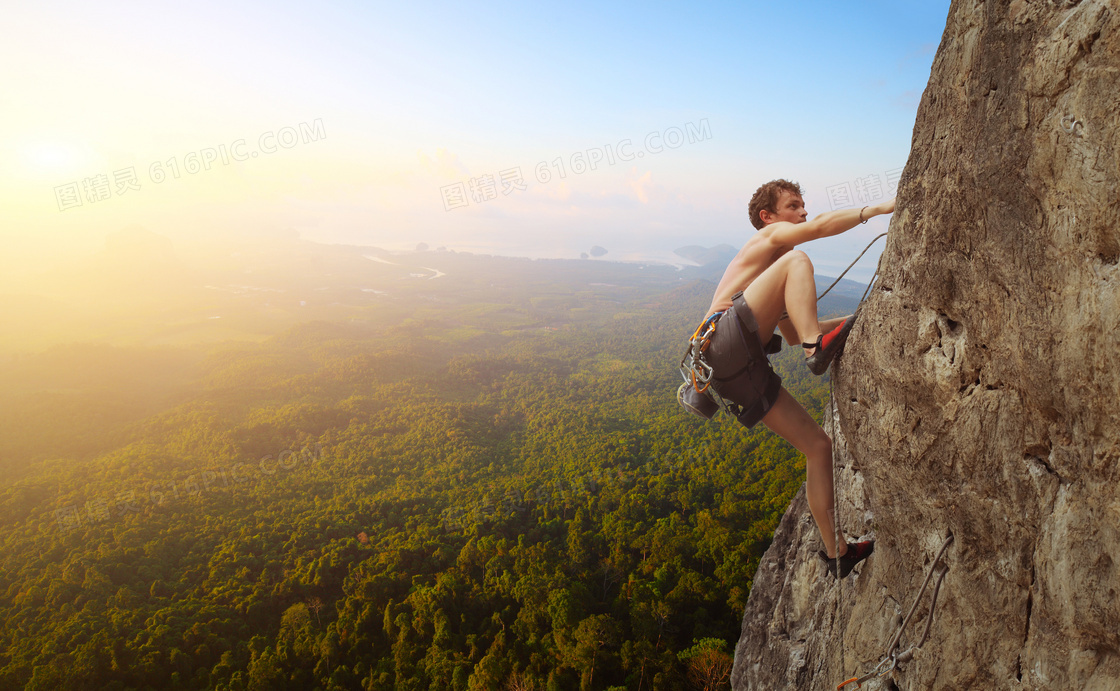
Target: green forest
[(488, 491)]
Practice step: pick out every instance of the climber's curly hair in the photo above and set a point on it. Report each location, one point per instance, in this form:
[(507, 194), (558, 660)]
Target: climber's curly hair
[(767, 196)]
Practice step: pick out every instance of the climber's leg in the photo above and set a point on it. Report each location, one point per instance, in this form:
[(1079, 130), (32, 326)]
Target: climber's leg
[(794, 424), (787, 285)]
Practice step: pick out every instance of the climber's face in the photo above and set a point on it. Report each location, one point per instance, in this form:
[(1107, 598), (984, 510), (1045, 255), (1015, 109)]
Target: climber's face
[(791, 209)]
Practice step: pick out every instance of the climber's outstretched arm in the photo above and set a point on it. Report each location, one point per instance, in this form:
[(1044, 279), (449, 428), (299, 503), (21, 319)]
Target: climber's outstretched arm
[(825, 225)]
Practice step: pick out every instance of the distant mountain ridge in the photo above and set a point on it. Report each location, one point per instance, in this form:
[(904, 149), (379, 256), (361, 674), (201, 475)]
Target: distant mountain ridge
[(706, 255)]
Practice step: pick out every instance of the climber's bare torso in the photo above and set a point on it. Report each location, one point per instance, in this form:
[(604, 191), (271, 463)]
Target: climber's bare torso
[(755, 257)]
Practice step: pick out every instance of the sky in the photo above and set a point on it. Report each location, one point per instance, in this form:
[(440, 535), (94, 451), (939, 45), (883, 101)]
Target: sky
[(519, 129)]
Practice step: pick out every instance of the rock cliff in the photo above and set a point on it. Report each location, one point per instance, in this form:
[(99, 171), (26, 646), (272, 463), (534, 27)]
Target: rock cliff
[(977, 396)]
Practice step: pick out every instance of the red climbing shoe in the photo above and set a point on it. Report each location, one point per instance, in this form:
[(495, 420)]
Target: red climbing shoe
[(828, 346), (856, 553)]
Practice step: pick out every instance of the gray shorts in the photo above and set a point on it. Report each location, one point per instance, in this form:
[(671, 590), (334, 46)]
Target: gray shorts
[(737, 375)]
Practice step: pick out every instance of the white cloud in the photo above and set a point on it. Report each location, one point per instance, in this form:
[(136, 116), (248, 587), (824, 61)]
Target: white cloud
[(638, 184), (446, 165)]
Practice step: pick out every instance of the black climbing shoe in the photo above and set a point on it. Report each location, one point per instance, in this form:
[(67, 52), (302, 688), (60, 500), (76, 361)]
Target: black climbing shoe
[(828, 346), (856, 553)]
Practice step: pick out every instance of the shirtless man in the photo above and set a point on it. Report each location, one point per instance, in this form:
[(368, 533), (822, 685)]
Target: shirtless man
[(777, 280)]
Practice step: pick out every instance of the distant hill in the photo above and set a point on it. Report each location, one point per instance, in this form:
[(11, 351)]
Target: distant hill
[(720, 254), (845, 288)]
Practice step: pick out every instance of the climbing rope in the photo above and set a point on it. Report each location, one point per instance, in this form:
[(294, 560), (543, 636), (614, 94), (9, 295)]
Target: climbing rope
[(836, 532), (892, 658), (850, 268), (785, 315)]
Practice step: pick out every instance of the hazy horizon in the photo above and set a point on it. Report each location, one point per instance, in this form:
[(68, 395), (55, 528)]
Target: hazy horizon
[(507, 130)]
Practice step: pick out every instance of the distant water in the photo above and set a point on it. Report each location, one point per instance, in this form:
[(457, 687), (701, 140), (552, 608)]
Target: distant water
[(637, 257), (828, 263)]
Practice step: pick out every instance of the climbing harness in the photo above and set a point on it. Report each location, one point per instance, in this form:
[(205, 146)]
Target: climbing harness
[(755, 383), (699, 371), (696, 372), (893, 657)]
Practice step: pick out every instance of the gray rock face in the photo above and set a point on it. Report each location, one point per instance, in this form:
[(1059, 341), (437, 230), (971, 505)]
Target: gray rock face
[(978, 392)]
